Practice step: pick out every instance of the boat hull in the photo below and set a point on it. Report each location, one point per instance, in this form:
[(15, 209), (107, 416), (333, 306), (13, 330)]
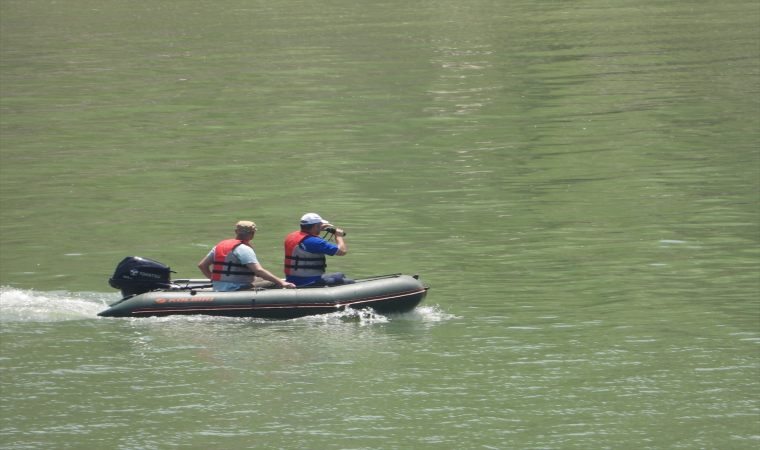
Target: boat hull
[(400, 293)]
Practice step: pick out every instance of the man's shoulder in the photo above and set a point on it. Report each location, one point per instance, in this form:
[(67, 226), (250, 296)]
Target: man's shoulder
[(245, 253), (243, 249), (312, 238), (316, 244)]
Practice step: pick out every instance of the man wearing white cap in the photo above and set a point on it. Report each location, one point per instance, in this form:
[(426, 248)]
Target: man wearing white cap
[(235, 267), (305, 252)]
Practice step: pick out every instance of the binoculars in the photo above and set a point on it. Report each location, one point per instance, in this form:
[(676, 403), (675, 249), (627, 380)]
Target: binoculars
[(332, 231)]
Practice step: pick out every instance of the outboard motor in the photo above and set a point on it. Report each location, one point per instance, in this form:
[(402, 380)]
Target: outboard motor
[(136, 275)]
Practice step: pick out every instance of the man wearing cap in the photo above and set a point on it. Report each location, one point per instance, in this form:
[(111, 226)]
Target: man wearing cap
[(305, 252), (235, 267)]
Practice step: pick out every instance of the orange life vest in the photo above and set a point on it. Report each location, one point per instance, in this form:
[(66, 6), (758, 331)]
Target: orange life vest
[(227, 267), (299, 262)]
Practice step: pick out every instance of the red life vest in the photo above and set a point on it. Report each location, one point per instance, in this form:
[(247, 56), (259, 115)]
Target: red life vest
[(299, 262), (227, 267)]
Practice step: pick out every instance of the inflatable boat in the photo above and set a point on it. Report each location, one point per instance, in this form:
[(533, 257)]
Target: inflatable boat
[(148, 290)]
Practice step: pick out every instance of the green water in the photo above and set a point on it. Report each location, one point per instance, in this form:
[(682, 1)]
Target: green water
[(579, 182)]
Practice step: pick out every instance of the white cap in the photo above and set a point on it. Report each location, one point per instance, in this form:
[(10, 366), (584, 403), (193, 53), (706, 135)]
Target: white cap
[(311, 219)]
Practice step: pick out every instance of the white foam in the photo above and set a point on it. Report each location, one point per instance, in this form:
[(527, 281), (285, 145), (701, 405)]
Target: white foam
[(21, 305)]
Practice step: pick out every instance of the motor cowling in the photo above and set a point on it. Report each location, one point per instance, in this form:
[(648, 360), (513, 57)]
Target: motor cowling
[(136, 275)]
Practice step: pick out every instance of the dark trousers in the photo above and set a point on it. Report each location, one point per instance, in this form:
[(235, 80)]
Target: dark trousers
[(333, 279)]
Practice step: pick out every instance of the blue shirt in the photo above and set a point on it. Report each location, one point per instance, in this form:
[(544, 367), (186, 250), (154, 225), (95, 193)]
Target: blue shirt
[(313, 244), (246, 255)]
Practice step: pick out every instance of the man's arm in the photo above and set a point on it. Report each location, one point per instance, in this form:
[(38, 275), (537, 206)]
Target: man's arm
[(267, 275), (342, 249), (205, 266)]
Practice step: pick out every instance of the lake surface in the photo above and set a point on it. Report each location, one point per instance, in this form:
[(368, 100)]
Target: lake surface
[(578, 182)]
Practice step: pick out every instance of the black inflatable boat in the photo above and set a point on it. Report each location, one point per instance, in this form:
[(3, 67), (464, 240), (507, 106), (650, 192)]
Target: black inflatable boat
[(148, 290)]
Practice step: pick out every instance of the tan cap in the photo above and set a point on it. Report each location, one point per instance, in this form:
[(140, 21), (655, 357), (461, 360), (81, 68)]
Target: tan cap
[(245, 227)]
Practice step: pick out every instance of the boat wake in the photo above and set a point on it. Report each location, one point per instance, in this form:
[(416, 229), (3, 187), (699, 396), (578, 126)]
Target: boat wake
[(369, 316), (22, 305)]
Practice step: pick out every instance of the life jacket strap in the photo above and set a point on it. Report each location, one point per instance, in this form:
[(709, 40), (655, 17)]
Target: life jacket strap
[(298, 259), (230, 265)]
